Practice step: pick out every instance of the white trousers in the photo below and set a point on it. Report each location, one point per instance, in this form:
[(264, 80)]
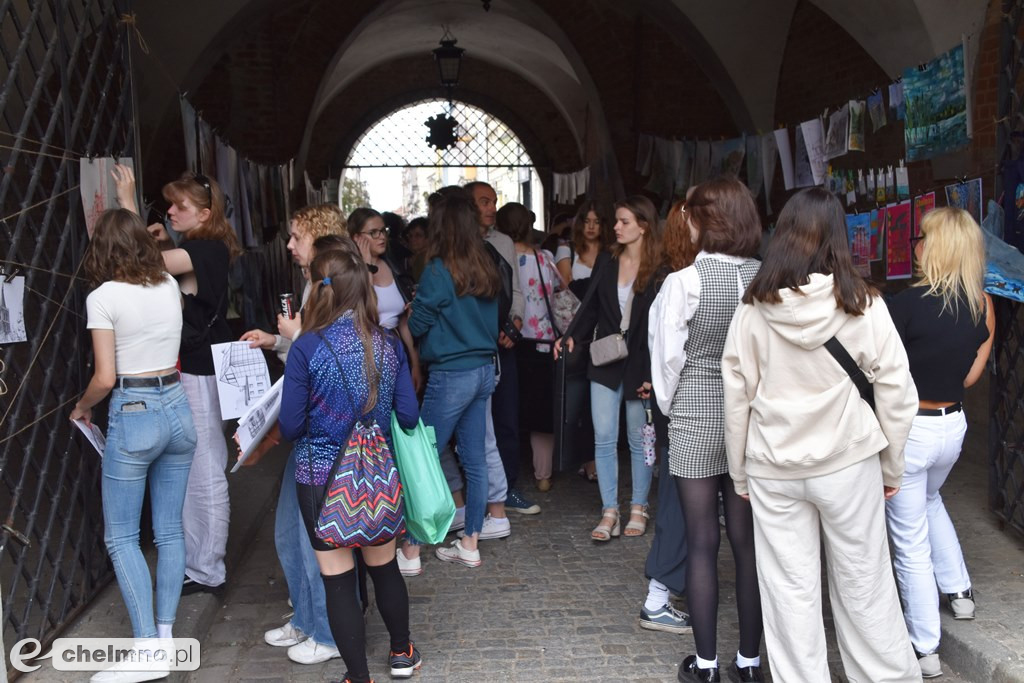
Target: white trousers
[(845, 509), (925, 543), (207, 509)]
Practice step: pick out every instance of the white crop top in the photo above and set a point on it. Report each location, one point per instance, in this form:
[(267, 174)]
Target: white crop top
[(146, 321)]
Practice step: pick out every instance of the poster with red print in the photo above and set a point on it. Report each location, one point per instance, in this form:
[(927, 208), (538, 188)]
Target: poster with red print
[(922, 205), (898, 259)]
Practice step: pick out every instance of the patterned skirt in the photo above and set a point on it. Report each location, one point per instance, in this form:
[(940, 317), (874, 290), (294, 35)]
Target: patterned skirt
[(696, 429)]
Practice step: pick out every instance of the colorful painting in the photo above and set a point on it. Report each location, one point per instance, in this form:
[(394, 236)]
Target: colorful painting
[(858, 231), (936, 104), (877, 230), (876, 110), (855, 143), (838, 133), (922, 205), (966, 196), (898, 259)]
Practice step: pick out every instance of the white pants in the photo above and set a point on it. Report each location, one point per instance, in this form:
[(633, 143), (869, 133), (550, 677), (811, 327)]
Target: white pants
[(925, 543), (789, 518), (207, 509)]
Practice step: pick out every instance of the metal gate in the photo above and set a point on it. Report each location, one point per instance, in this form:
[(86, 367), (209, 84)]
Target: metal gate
[(1006, 425), (66, 94)]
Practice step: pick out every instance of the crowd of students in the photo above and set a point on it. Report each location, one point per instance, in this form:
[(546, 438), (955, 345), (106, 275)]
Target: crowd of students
[(854, 422)]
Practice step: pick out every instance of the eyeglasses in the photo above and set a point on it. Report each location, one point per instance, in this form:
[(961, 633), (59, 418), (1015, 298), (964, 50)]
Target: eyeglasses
[(205, 182), (374, 234)]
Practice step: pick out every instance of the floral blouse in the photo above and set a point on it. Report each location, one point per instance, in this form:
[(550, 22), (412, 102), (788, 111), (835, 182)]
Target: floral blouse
[(537, 320)]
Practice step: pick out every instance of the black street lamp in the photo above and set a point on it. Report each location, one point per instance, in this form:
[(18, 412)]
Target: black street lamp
[(449, 62)]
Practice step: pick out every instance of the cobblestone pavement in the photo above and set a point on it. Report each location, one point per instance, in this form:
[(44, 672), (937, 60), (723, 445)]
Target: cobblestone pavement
[(548, 604)]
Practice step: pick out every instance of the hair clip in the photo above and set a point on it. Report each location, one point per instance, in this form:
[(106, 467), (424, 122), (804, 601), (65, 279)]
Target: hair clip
[(325, 281)]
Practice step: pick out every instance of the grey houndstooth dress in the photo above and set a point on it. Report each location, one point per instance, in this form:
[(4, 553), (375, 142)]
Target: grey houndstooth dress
[(696, 431)]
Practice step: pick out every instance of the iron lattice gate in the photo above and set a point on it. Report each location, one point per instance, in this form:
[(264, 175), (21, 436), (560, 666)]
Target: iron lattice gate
[(66, 94), (1006, 425)]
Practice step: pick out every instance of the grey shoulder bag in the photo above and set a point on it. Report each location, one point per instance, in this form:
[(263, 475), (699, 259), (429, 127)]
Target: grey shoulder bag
[(612, 348)]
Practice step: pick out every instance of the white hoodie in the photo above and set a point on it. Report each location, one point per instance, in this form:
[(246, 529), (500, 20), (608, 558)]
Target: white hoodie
[(791, 411)]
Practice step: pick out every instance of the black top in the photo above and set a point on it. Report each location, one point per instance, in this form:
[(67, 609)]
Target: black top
[(210, 261), (941, 345), (602, 311)]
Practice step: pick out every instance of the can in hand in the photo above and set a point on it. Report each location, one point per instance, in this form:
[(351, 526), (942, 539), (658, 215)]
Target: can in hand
[(288, 305)]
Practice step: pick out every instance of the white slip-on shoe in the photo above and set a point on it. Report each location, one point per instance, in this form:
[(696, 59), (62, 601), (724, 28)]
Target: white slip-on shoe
[(456, 553), (284, 636), (311, 652)]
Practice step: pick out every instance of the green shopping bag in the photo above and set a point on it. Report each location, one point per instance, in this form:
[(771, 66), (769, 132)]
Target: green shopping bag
[(429, 509)]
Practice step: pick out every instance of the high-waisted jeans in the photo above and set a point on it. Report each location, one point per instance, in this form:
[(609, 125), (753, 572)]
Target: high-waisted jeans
[(153, 440)]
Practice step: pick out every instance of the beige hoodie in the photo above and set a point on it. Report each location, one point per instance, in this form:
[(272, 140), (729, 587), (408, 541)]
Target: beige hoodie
[(791, 411)]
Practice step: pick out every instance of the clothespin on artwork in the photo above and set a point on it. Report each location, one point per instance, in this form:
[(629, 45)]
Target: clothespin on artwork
[(922, 67), (13, 274)]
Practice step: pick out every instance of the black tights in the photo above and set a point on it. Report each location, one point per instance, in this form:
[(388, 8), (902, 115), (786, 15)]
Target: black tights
[(699, 498), (346, 617)]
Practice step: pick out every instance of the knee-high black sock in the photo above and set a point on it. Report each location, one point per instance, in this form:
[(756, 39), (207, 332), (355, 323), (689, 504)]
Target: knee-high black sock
[(392, 602), (346, 620)]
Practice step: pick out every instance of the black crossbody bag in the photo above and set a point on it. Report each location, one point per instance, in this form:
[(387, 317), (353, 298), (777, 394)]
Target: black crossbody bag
[(839, 352)]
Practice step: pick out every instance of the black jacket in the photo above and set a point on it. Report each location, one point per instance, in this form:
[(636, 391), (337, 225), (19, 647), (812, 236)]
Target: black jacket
[(602, 312)]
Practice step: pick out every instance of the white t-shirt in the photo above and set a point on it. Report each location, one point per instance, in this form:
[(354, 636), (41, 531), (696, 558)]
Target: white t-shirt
[(580, 270), (389, 305), (146, 320)]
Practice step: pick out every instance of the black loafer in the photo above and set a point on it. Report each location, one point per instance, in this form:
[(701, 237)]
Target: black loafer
[(190, 587), (746, 674), (689, 672)]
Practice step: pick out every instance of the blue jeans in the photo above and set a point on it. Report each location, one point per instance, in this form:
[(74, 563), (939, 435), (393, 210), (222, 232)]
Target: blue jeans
[(455, 403), (298, 561), (604, 409), (155, 443)]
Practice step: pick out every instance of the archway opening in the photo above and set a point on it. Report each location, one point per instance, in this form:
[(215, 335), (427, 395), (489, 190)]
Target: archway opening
[(392, 167)]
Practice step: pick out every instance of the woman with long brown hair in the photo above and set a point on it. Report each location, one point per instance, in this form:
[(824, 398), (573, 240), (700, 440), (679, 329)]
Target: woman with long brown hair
[(809, 453), (455, 317), (591, 234), (618, 301), (345, 369), (134, 315)]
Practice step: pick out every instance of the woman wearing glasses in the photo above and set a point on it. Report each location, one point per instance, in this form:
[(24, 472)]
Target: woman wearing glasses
[(946, 322), (367, 229)]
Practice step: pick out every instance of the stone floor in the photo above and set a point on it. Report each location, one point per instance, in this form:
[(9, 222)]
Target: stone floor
[(548, 604)]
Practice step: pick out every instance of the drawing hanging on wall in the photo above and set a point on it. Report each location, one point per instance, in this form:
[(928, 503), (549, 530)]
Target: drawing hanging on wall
[(936, 103), (898, 259), (838, 132), (966, 196), (12, 310), (922, 205), (876, 109), (858, 232), (97, 186)]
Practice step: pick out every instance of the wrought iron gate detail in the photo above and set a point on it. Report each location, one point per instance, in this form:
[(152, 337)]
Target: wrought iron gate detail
[(1006, 424), (66, 94)]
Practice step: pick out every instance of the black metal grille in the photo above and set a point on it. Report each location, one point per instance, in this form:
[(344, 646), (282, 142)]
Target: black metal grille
[(1006, 425), (399, 139), (66, 94)]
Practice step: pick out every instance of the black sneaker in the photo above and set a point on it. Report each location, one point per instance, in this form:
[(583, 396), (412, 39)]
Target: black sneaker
[(515, 502), (404, 663)]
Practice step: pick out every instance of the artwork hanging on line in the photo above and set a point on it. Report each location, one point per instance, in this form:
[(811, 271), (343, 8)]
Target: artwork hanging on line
[(12, 310), (966, 196), (97, 186), (858, 231), (922, 205), (811, 135), (786, 157), (936, 104), (896, 106), (769, 153), (838, 132), (877, 230), (702, 163), (755, 171), (855, 143), (732, 156), (898, 259), (876, 109)]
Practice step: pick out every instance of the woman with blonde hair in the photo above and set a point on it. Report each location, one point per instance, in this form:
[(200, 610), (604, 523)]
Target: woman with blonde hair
[(947, 325), (134, 315)]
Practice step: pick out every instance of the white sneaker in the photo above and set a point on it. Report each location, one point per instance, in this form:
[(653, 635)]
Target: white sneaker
[(459, 520), (120, 673), (493, 527), (311, 652), (408, 566), (456, 553), (930, 666), (285, 636)]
